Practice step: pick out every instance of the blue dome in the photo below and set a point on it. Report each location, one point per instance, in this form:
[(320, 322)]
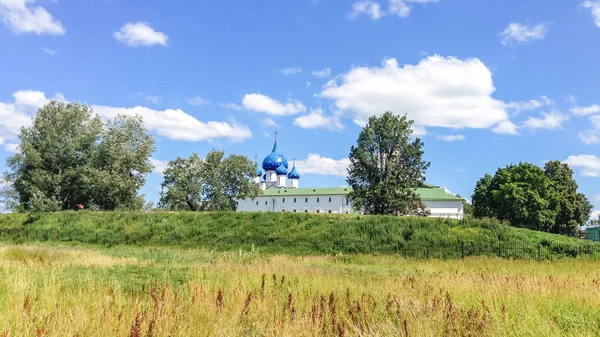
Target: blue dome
[(265, 177), (258, 172), (281, 170), (274, 159), (293, 173)]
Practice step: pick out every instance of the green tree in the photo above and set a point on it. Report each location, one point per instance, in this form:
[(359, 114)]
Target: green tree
[(212, 184), (68, 157), (531, 197), (386, 166)]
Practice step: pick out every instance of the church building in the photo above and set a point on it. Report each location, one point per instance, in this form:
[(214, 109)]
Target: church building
[(281, 192)]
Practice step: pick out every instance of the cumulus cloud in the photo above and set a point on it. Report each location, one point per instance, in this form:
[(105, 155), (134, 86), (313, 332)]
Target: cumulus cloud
[(516, 33), (140, 34), (21, 16), (159, 165), (268, 123), (262, 103), (451, 138), (12, 147), (321, 73), (178, 125), (594, 8), (290, 71), (316, 120), (589, 164), (437, 92), (373, 9), (506, 128), (316, 164), (231, 106), (585, 110), (530, 105), (197, 100), (592, 136), (549, 120)]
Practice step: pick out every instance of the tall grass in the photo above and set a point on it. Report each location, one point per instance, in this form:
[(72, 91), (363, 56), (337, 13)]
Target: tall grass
[(299, 233), (135, 291)]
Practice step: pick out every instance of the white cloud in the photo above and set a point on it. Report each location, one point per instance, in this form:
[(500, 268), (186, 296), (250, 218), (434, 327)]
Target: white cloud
[(316, 120), (400, 8), (197, 100), (150, 98), (12, 147), (516, 33), (439, 92), (367, 7), (550, 120), (585, 110), (592, 136), (308, 83), (268, 123), (572, 99), (316, 164), (451, 138), (529, 105), (321, 73), (506, 127), (140, 34), (594, 7), (178, 125), (22, 17), (290, 71), (231, 106), (49, 51), (159, 165), (262, 103), (589, 164)]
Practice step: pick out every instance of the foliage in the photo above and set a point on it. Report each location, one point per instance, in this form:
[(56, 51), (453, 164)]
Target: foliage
[(293, 233), (531, 197), (68, 156), (386, 167), (212, 184)]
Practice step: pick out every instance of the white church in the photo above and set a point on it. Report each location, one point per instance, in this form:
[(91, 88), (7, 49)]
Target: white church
[(281, 192)]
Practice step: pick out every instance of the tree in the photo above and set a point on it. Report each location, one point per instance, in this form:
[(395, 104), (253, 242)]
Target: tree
[(531, 197), (386, 167), (212, 184), (68, 157)]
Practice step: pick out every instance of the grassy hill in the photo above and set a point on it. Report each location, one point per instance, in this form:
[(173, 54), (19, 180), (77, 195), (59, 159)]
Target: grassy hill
[(294, 233)]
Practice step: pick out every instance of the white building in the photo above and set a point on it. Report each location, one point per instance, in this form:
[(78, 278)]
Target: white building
[(281, 192)]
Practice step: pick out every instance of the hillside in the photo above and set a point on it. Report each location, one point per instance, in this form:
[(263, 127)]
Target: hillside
[(294, 233)]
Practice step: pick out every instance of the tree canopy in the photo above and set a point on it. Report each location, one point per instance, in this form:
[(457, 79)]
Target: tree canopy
[(69, 156), (212, 184), (528, 196), (386, 166)]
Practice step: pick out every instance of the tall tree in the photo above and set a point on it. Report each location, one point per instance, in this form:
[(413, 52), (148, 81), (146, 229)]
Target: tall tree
[(386, 166), (68, 157), (531, 197), (212, 184)]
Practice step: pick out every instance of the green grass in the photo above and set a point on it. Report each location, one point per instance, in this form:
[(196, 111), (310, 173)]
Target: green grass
[(50, 289), (297, 234)]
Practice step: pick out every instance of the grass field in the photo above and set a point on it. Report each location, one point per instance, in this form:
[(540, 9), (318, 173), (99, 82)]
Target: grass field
[(65, 290)]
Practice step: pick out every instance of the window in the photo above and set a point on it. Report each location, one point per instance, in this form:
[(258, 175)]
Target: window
[(306, 200), (329, 211), (305, 211), (294, 211), (346, 212), (318, 211), (346, 201), (256, 202), (329, 199), (282, 200), (266, 203), (283, 211), (294, 199), (317, 199)]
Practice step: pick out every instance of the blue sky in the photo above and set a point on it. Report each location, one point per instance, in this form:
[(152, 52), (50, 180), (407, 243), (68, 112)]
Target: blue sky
[(488, 82)]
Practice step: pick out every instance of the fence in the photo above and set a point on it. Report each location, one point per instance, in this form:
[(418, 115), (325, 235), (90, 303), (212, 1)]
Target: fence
[(403, 248)]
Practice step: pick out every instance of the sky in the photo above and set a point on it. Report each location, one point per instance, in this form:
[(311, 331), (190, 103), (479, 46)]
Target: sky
[(488, 83)]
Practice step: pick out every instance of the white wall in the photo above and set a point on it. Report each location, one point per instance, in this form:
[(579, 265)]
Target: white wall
[(308, 204), (445, 209)]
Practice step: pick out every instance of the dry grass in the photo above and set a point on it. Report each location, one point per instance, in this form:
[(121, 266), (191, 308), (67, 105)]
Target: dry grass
[(175, 292)]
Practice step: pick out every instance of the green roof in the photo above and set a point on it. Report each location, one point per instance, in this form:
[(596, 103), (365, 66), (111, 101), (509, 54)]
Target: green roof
[(426, 193)]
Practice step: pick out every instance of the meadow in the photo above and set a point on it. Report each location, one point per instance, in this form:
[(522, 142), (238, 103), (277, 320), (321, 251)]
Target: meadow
[(54, 289)]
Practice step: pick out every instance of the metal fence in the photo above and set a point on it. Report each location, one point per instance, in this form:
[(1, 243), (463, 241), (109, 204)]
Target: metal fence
[(551, 251)]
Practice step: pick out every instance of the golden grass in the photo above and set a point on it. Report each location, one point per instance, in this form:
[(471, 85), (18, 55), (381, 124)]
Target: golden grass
[(176, 292)]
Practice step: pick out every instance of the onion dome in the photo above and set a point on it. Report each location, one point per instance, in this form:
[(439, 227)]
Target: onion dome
[(281, 170), (283, 160), (273, 160), (265, 177), (294, 173), (258, 172)]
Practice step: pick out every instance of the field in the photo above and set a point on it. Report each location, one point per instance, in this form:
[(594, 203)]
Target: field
[(50, 289)]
